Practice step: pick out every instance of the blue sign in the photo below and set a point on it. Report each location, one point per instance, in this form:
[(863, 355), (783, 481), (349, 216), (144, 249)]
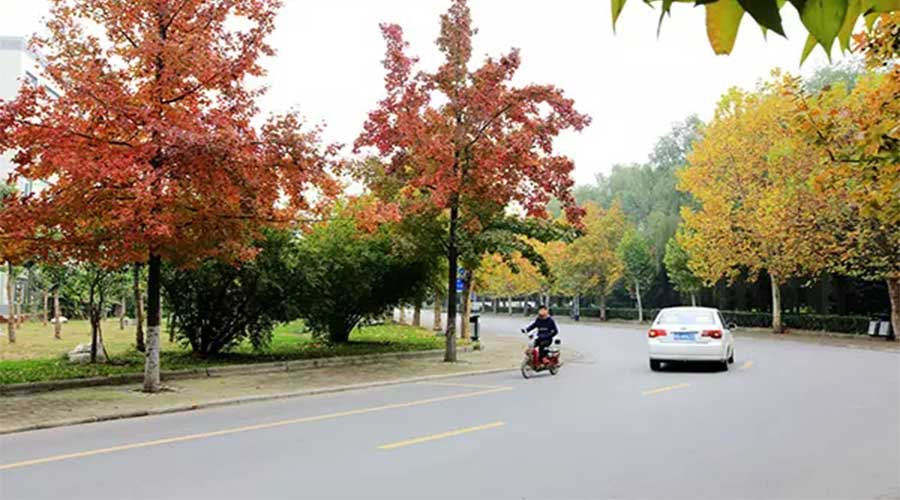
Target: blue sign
[(461, 273), (459, 284)]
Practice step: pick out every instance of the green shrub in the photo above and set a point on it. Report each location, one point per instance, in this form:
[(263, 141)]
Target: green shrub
[(216, 306)]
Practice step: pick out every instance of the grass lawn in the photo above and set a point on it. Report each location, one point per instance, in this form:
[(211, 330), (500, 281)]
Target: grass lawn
[(36, 356)]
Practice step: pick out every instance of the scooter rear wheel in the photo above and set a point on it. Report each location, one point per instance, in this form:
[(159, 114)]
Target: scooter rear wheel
[(554, 370)]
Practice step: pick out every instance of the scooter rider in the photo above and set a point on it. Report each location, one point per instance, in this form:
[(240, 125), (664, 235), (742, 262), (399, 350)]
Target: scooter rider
[(546, 330)]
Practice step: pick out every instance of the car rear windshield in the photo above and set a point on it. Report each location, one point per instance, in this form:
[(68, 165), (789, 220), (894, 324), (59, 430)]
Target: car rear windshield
[(686, 318)]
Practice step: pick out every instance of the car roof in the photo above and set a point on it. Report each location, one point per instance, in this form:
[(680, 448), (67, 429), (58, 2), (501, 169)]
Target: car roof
[(689, 308)]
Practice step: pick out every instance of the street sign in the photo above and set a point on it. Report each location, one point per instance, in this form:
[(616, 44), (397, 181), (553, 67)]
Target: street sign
[(459, 284), (461, 273)]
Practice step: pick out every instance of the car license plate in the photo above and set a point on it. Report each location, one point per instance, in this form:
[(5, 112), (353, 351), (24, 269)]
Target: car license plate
[(684, 335)]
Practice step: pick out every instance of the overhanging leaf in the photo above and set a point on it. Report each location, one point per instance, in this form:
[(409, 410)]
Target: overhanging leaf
[(616, 10), (823, 19), (765, 12), (666, 9), (854, 8), (881, 6), (723, 18), (808, 48)]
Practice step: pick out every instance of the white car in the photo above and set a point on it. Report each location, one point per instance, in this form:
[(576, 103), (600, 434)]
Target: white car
[(690, 334)]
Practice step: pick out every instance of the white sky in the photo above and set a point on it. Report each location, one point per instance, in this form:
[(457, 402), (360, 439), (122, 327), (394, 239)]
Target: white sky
[(632, 84)]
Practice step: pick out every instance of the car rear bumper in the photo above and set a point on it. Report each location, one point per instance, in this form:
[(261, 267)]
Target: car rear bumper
[(670, 351)]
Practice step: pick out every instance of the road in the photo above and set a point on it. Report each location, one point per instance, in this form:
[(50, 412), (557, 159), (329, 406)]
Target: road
[(789, 420)]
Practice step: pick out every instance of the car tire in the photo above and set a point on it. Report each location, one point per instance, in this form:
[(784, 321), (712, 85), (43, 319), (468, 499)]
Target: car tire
[(731, 358), (723, 365), (655, 365)]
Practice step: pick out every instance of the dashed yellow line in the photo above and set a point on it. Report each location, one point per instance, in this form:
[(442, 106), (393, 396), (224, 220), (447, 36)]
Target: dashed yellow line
[(665, 389), (468, 386), (248, 428), (443, 435), (746, 366)]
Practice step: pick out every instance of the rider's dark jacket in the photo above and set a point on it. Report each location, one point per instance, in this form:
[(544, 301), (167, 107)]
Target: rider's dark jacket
[(546, 328)]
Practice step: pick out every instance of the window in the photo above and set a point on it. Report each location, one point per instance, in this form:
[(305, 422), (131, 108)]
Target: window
[(686, 317)]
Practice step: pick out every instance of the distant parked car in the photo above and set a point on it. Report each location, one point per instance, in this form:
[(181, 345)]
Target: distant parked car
[(690, 334)]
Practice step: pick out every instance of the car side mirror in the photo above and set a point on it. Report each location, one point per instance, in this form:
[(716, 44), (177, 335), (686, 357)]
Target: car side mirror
[(732, 326)]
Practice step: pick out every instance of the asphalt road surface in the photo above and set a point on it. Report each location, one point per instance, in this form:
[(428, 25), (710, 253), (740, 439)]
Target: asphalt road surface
[(789, 420)]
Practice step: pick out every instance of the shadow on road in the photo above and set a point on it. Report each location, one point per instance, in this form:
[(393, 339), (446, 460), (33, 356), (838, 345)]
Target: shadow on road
[(691, 367)]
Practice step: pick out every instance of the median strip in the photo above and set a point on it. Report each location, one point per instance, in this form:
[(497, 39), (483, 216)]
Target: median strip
[(665, 389), (443, 435)]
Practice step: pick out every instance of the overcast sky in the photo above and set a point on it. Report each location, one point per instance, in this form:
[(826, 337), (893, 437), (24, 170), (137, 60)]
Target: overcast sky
[(632, 84)]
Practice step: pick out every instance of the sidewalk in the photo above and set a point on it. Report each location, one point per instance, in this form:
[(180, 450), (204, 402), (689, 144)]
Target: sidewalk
[(64, 407)]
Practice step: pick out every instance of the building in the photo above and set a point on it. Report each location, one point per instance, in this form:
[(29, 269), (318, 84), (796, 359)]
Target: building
[(17, 65)]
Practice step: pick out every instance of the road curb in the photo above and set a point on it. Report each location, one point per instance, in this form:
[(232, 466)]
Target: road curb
[(249, 399), (23, 389)]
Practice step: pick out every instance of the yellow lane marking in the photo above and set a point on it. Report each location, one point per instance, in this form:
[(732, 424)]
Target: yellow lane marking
[(665, 389), (746, 366), (443, 435), (468, 386), (256, 427)]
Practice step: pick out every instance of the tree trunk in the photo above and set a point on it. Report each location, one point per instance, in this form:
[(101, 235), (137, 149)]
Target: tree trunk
[(436, 321), (452, 257), (777, 327), (138, 308), (894, 293), (402, 316), (509, 305), (417, 313), (151, 359), (94, 317), (640, 305), (122, 314), (57, 319), (602, 306), (95, 331), (495, 304), (11, 300), (693, 299), (46, 307), (466, 300)]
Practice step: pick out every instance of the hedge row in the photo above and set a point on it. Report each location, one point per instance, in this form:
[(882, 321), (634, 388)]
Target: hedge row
[(820, 322)]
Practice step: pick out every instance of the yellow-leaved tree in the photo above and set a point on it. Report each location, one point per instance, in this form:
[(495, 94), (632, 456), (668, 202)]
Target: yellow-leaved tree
[(509, 278), (592, 264), (858, 166), (757, 211)]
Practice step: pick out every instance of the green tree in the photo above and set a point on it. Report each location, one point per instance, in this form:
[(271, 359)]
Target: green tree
[(344, 273), (90, 286), (845, 72), (216, 306), (684, 280), (639, 267)]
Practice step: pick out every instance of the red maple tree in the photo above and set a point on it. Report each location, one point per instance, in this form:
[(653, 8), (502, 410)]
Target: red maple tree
[(150, 150), (469, 142)]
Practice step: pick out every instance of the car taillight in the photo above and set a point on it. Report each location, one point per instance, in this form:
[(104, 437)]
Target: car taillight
[(716, 334), (656, 332)]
